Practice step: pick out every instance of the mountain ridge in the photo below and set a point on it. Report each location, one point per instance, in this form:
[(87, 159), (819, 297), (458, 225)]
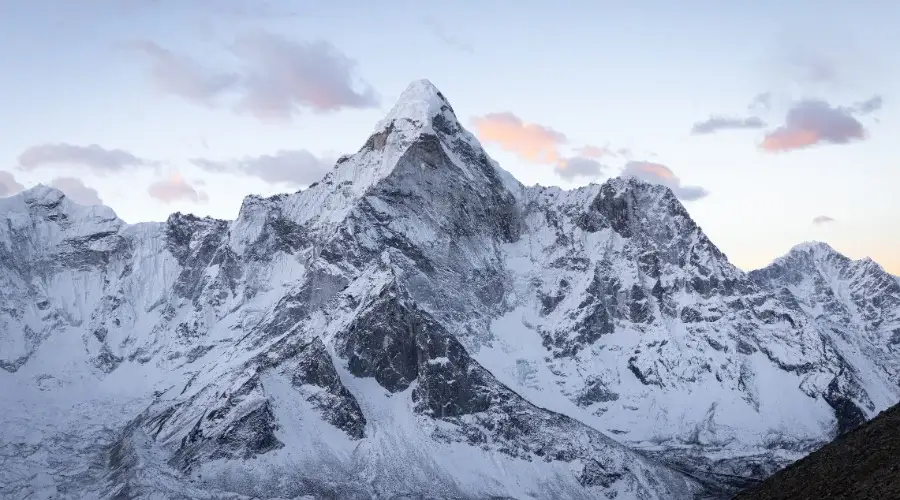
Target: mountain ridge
[(420, 298)]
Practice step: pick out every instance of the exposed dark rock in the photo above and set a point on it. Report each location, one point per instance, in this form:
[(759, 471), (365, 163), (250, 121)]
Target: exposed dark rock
[(337, 405), (381, 343), (596, 392), (861, 463), (848, 415)]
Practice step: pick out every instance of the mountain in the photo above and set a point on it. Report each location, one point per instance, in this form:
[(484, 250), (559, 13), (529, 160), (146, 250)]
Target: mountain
[(859, 464), (418, 324), (856, 307)]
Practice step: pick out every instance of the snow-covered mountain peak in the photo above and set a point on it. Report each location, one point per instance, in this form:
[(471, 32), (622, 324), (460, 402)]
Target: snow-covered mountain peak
[(50, 218), (821, 256), (46, 199), (42, 192), (419, 144), (417, 106), (814, 247)]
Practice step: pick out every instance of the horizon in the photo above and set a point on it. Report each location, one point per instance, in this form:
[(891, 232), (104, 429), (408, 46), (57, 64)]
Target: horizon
[(771, 132)]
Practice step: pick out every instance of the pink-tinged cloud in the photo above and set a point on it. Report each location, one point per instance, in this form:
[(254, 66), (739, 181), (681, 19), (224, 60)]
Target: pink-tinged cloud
[(77, 191), (92, 156), (175, 188), (822, 219), (276, 78), (814, 122), (8, 184), (283, 77), (657, 173), (530, 141)]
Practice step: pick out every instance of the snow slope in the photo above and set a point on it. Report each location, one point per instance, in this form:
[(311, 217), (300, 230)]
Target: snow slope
[(419, 323)]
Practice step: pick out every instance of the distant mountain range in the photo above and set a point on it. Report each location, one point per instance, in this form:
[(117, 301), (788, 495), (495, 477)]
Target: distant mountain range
[(419, 324)]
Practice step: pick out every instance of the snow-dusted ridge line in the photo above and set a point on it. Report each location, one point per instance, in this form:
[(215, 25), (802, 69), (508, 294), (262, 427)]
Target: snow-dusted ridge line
[(422, 323)]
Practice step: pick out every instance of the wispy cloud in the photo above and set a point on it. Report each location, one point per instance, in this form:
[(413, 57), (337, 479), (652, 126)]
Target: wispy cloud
[(92, 156), (77, 191), (285, 76), (184, 76), (870, 105), (277, 78), (8, 184), (658, 173), (813, 66), (292, 167), (451, 41), (811, 122), (719, 123), (175, 188), (761, 101), (822, 219), (594, 152)]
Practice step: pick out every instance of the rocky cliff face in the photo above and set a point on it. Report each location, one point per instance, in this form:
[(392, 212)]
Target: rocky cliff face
[(419, 323)]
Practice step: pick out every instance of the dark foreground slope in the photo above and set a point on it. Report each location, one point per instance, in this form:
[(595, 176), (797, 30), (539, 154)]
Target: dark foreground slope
[(864, 463)]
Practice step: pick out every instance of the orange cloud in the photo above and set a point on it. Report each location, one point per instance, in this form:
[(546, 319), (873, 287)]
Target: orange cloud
[(653, 169), (530, 141), (657, 173), (787, 140)]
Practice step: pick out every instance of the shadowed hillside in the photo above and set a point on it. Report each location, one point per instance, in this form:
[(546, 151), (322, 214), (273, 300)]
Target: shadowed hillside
[(864, 463)]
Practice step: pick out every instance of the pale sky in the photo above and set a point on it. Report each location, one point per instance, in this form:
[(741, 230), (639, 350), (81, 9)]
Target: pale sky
[(774, 122)]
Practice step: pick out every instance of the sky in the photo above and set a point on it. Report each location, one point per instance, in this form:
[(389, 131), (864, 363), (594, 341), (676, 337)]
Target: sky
[(774, 122)]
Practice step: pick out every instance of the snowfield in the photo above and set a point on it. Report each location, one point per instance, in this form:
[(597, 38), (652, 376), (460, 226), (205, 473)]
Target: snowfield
[(420, 325)]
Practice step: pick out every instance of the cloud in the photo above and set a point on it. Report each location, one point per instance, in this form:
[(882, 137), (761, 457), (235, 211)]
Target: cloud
[(183, 76), (451, 41), (813, 122), (762, 100), (93, 156), (822, 219), (277, 77), (593, 152), (717, 123), (813, 67), (868, 106), (657, 173), (579, 167), (77, 191), (8, 184), (175, 188), (283, 76), (530, 141), (294, 167)]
